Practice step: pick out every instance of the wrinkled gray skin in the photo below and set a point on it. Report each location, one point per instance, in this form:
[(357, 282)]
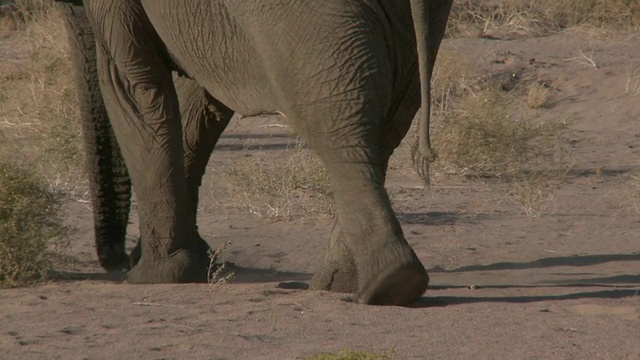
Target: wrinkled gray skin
[(343, 73), (203, 120)]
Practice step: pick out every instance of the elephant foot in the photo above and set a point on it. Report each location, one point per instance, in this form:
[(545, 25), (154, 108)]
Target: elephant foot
[(135, 255), (390, 275), (395, 283), (136, 252), (113, 260), (338, 273), (182, 266)]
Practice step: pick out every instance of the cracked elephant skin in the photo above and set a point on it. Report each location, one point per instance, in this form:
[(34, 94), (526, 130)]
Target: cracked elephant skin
[(203, 120), (344, 73)]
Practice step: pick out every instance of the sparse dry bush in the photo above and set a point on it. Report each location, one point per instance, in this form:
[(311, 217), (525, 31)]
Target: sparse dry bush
[(30, 224), (453, 77), (634, 192), (38, 99), (354, 355), (538, 96), (22, 12), (536, 17), (481, 139), (217, 274), (295, 185), (532, 192)]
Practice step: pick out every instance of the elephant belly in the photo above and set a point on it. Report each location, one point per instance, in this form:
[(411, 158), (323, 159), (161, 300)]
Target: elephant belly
[(271, 56), (210, 47)]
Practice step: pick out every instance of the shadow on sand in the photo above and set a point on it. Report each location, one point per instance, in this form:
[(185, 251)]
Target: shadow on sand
[(578, 260), (440, 301), (241, 275), (620, 286)]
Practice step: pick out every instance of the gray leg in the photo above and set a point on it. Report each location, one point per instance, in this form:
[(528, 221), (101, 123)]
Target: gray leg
[(388, 271), (142, 103), (338, 272), (203, 121)]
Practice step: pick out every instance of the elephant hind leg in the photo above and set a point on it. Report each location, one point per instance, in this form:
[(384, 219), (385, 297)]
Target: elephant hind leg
[(389, 275), (369, 254), (387, 270), (204, 118), (338, 272)]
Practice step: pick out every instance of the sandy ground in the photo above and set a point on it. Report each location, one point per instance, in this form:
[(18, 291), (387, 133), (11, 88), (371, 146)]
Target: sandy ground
[(504, 286)]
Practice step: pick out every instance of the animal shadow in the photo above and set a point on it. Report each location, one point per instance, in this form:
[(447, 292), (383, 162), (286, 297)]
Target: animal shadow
[(620, 286)]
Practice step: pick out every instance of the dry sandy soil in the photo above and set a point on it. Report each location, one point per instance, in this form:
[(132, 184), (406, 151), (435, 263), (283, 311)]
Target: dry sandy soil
[(565, 285)]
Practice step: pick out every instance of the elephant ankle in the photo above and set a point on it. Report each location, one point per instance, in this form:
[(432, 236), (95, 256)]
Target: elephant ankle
[(201, 247), (334, 279), (182, 266), (338, 272), (113, 260), (391, 279)]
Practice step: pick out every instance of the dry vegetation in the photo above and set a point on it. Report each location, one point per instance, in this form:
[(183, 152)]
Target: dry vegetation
[(30, 226), (484, 130), (538, 17), (39, 142), (483, 139), (296, 184), (38, 105), (353, 355)]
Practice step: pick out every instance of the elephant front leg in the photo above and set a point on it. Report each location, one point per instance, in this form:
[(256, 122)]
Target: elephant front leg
[(203, 121), (141, 101)]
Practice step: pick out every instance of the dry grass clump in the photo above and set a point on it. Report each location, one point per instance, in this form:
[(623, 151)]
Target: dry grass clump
[(634, 192), (481, 139), (38, 103), (536, 17), (538, 96), (531, 192), (453, 77), (30, 223), (18, 13), (353, 355), (217, 274), (295, 185)]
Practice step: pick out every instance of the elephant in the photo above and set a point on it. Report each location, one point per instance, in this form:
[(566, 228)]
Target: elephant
[(349, 76)]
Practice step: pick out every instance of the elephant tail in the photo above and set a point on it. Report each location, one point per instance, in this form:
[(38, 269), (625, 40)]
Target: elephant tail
[(109, 181), (429, 21)]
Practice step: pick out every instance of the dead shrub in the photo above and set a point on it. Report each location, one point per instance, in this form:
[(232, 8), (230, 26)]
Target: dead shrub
[(532, 192), (538, 96), (295, 185), (354, 355), (481, 139), (38, 97), (537, 17), (453, 77), (30, 224)]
